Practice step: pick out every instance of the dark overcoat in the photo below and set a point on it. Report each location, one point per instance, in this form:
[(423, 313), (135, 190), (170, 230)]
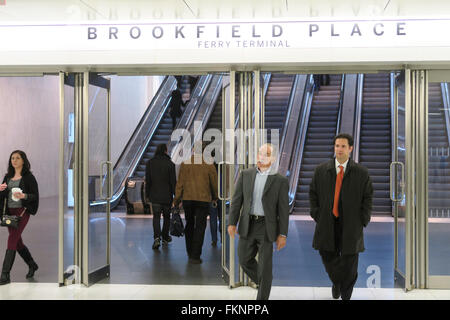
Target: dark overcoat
[(355, 206), (160, 179), (175, 104)]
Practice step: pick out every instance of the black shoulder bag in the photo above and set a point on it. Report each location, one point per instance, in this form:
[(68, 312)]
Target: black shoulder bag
[(10, 221), (176, 224)]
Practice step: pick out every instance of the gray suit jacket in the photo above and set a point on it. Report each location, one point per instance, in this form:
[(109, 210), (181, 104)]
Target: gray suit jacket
[(275, 202)]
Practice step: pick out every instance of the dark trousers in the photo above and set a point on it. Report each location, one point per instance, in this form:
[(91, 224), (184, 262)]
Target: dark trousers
[(257, 243), (174, 121), (214, 214), (159, 209), (341, 268), (15, 235), (196, 213)]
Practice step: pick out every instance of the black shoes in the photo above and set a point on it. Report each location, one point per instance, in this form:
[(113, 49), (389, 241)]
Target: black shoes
[(167, 240), (32, 266), (4, 279), (9, 261), (336, 291), (156, 244), (195, 261), (10, 255)]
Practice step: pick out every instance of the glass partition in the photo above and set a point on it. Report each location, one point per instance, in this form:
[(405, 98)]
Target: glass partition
[(438, 179)]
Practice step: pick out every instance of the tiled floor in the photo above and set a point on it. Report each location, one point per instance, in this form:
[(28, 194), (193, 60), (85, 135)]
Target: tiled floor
[(51, 291), (138, 272)]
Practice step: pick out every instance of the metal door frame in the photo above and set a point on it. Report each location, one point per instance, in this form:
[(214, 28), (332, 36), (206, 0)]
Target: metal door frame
[(406, 279), (251, 101), (81, 82)]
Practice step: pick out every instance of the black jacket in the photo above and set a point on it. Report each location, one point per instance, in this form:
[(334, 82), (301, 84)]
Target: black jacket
[(29, 186), (354, 208), (160, 179), (175, 104)]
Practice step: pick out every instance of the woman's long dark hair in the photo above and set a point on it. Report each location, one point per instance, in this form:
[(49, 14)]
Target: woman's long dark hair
[(26, 164)]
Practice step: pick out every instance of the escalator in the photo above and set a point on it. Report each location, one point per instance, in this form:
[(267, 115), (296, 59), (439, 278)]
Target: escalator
[(375, 138), (321, 130), (160, 134), (277, 101), (438, 158)]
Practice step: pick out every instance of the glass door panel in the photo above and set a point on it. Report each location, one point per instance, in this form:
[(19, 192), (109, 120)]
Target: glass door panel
[(438, 180), (68, 272), (398, 175), (99, 178)]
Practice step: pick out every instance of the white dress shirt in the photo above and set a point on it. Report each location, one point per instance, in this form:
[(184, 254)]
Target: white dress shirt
[(337, 164)]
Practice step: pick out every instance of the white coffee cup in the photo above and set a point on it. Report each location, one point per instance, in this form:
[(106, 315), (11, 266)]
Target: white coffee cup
[(14, 190)]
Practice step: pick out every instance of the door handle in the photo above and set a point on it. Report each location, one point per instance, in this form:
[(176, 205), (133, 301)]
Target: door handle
[(393, 179), (108, 175), (219, 182)]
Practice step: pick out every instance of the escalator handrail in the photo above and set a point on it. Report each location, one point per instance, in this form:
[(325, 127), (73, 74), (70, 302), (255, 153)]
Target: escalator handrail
[(202, 113), (143, 118), (191, 109), (358, 113), (140, 139), (288, 118), (303, 124), (393, 118), (446, 101), (341, 103), (167, 86)]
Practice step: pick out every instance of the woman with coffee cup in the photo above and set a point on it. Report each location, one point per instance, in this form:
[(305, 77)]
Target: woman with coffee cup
[(19, 196)]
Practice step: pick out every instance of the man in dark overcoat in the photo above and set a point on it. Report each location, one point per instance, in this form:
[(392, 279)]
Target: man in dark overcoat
[(160, 181), (340, 198)]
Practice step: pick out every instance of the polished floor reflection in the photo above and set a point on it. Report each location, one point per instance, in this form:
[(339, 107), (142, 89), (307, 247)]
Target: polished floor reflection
[(134, 262), (51, 291)]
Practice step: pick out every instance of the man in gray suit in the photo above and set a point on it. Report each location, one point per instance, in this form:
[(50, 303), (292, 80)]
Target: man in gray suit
[(262, 194)]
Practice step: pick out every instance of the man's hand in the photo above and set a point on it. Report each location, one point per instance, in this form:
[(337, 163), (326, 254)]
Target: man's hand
[(281, 242), (232, 231)]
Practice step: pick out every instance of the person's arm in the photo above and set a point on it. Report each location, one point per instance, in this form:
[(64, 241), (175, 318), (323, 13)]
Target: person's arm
[(173, 179), (3, 195), (179, 186), (314, 197), (32, 192), (283, 207), (366, 205), (283, 213), (213, 182), (236, 204), (148, 179)]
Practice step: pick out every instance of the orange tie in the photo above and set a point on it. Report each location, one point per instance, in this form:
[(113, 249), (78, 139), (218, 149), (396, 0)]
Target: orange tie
[(337, 190)]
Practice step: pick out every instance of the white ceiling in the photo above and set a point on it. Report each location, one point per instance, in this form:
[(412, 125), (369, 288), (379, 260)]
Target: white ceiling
[(88, 10)]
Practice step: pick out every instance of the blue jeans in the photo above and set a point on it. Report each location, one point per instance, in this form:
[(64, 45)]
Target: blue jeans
[(213, 214)]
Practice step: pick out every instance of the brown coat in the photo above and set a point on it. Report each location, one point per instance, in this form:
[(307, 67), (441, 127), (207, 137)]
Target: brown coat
[(196, 182)]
